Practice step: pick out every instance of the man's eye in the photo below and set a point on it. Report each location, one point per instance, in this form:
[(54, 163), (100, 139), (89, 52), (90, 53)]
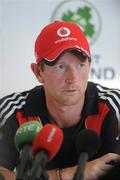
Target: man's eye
[(60, 66), (81, 65)]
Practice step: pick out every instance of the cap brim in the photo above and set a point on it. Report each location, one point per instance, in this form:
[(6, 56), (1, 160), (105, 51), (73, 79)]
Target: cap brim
[(55, 54)]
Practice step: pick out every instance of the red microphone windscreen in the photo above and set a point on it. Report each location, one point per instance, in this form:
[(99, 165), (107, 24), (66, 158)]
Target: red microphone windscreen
[(49, 139)]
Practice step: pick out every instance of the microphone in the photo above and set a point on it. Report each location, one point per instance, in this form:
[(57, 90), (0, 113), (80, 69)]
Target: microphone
[(45, 146), (87, 144), (23, 139)]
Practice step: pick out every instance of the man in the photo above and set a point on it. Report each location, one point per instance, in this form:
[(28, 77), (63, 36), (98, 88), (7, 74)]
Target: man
[(66, 99)]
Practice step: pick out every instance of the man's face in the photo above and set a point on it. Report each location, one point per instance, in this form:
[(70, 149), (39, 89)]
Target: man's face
[(65, 82)]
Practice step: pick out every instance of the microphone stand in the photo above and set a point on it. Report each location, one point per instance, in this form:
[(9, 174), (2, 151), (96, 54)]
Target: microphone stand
[(38, 171), (23, 163), (79, 175)]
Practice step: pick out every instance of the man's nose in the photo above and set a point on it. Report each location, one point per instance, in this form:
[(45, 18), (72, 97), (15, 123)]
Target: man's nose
[(71, 76)]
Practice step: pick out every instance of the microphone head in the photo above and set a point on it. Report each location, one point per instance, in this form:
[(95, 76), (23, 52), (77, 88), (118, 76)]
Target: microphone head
[(87, 141), (49, 139), (26, 133)]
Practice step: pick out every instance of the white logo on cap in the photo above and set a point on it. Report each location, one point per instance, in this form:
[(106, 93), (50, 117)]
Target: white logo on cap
[(63, 32)]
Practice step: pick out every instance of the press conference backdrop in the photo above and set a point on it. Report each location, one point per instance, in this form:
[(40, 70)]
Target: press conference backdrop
[(21, 21)]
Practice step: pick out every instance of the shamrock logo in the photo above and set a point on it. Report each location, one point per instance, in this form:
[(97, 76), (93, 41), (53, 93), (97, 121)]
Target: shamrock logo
[(82, 17), (82, 13)]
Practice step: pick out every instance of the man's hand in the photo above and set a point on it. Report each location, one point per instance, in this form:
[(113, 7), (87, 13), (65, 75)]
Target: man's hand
[(52, 174), (7, 174), (93, 170), (99, 167)]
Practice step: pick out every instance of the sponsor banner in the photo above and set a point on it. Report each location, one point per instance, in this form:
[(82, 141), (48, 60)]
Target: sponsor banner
[(100, 22)]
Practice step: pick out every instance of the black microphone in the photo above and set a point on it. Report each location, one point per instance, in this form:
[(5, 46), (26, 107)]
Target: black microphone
[(87, 144)]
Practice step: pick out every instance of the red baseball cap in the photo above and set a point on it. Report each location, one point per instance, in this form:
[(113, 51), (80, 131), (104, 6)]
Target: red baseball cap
[(57, 37)]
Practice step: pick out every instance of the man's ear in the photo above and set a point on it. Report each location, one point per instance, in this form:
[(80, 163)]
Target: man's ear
[(37, 72)]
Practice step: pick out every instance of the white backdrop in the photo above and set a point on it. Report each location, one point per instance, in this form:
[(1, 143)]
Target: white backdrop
[(20, 23)]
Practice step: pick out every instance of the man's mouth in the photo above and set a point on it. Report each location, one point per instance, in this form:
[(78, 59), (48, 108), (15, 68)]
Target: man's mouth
[(70, 90)]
